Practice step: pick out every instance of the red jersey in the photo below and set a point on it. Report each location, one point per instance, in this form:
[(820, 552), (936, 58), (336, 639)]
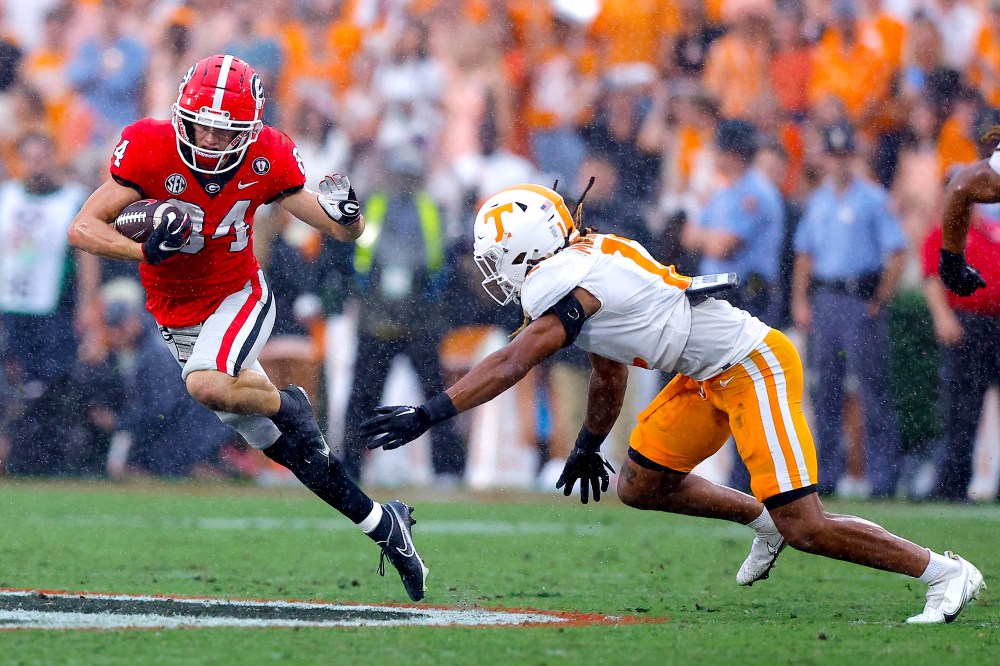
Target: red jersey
[(218, 260), (982, 251)]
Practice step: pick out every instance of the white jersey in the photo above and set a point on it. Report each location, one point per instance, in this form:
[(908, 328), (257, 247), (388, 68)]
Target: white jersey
[(34, 246), (645, 319)]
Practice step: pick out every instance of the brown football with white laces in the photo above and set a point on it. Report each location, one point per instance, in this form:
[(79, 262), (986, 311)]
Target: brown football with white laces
[(138, 220)]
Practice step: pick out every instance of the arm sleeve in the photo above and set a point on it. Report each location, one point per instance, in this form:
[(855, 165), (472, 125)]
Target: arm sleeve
[(570, 313)]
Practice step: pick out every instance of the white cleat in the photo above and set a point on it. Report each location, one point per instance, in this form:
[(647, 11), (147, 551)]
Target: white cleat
[(947, 597), (763, 554)]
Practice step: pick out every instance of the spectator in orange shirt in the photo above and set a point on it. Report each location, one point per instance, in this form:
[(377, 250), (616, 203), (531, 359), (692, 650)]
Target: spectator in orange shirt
[(985, 69), (883, 31), (846, 67), (736, 67), (635, 33), (790, 67), (957, 142), (561, 90), (320, 46)]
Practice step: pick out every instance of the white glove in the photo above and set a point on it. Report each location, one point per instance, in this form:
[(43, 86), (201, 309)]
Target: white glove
[(338, 200)]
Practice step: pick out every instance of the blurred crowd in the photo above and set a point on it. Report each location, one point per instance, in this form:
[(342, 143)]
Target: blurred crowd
[(804, 144)]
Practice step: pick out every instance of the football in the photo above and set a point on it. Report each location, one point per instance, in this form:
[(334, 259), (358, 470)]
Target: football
[(137, 220)]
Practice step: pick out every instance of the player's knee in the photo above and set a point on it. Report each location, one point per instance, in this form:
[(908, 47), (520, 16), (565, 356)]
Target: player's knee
[(209, 388), (635, 495), (628, 495), (802, 535)]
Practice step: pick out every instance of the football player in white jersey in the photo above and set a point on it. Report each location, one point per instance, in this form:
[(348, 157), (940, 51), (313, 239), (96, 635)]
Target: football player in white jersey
[(735, 375)]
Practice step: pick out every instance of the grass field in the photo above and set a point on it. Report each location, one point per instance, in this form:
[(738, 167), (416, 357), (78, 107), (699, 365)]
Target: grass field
[(510, 551)]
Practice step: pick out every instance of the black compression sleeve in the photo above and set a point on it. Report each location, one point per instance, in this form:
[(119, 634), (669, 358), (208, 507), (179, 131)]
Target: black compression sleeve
[(570, 313)]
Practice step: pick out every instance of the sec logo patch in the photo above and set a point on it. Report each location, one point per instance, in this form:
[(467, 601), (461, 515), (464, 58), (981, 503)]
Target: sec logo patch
[(175, 184), (261, 166)]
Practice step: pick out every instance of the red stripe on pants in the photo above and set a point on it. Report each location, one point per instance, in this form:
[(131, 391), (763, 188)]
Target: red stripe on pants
[(221, 361)]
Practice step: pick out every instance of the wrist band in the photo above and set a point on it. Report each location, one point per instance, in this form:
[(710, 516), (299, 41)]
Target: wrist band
[(588, 441), (440, 408)]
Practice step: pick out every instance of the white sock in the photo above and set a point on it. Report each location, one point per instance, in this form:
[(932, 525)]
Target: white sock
[(939, 567), (763, 524), (373, 519)]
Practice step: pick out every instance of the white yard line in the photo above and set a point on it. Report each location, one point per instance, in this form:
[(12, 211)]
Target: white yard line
[(28, 609)]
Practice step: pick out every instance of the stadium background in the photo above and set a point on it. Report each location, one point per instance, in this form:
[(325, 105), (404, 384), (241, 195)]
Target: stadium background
[(457, 98)]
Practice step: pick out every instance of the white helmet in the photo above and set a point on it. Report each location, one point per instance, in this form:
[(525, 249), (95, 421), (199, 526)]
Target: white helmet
[(515, 229)]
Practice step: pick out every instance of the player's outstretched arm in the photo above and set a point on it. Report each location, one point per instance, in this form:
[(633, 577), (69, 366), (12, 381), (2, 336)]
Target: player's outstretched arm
[(396, 425), (91, 230), (334, 210)]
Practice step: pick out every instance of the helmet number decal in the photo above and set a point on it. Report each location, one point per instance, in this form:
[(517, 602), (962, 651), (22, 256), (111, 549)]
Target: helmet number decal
[(234, 223), (120, 152), (494, 215)]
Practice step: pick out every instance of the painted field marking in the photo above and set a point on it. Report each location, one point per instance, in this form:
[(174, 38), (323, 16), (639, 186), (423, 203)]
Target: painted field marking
[(36, 609)]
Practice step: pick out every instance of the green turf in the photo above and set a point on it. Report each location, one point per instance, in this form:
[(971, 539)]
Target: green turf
[(188, 539)]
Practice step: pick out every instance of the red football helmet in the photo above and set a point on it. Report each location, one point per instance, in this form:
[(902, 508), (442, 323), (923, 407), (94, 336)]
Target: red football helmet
[(223, 92)]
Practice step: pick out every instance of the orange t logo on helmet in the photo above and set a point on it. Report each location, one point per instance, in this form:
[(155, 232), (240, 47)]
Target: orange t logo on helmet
[(494, 214)]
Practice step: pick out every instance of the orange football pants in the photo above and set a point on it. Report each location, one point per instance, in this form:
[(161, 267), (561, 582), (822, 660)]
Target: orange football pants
[(758, 401)]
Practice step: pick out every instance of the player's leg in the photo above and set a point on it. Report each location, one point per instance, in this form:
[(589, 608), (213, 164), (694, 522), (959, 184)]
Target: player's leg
[(303, 450), (644, 484), (285, 428), (678, 430), (773, 437), (952, 581)]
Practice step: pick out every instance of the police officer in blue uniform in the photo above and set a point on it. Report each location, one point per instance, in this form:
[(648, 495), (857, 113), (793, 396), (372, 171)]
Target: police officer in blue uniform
[(741, 226), (848, 258)]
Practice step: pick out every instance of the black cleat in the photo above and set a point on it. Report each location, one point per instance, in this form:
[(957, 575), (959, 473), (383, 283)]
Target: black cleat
[(398, 548)]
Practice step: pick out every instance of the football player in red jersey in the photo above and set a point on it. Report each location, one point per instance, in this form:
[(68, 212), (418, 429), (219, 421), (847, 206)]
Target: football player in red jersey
[(216, 160)]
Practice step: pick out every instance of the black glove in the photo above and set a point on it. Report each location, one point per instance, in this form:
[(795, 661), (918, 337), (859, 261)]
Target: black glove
[(168, 238), (957, 275), (586, 464), (397, 425), (338, 199)]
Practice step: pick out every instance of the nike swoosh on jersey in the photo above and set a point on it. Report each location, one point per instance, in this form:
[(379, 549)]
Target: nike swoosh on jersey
[(243, 186), (725, 382)]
